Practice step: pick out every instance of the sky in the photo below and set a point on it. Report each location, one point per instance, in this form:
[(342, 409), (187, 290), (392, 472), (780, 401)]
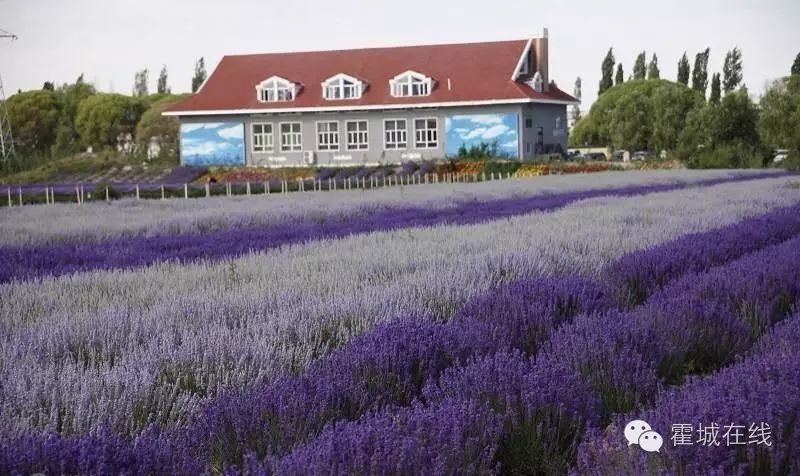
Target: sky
[(109, 40)]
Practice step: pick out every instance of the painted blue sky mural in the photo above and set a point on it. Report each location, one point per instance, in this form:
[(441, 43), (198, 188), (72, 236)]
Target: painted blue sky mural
[(212, 143), (473, 129)]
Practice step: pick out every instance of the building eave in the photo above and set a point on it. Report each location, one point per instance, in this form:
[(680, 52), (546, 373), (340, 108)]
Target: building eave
[(371, 107)]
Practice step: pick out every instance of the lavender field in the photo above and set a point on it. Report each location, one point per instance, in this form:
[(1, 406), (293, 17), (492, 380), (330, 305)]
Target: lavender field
[(509, 327)]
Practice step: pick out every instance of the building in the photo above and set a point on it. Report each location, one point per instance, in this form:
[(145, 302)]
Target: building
[(376, 105)]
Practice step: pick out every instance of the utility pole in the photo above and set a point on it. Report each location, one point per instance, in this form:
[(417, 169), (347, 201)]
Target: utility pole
[(7, 152)]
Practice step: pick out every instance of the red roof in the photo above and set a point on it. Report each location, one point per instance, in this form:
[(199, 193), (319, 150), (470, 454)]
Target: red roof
[(476, 72)]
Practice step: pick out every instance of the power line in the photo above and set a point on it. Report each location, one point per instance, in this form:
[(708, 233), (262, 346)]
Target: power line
[(7, 151)]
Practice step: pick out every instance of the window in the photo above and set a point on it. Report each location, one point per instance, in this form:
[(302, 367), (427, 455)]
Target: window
[(276, 89), (342, 86), (357, 135), (262, 137), (328, 135), (527, 147), (558, 122), (410, 83), (528, 123), (394, 134), (291, 137), (426, 133)]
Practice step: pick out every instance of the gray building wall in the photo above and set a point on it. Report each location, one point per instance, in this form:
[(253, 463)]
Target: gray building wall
[(552, 118), (540, 114)]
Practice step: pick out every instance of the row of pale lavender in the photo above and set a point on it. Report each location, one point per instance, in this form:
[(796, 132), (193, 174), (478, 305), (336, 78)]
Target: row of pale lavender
[(539, 424), (127, 349), (32, 261), (99, 221)]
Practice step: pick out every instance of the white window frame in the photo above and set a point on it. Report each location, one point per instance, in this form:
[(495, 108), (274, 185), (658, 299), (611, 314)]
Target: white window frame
[(332, 142), (395, 144), (336, 87), (262, 142), (427, 130), (276, 89), (404, 84), (295, 142), (356, 145)]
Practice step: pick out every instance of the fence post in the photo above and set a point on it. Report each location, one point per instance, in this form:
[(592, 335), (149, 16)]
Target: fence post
[(266, 187), (208, 190), (106, 193), (52, 196), (9, 196), (77, 195), (137, 191), (248, 189), (186, 191), (83, 195), (46, 196), (20, 195)]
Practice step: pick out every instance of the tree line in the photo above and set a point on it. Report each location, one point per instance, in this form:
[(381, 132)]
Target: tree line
[(724, 129), (56, 122)]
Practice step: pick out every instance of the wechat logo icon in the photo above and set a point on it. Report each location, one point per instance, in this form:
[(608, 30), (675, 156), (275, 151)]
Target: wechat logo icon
[(639, 432)]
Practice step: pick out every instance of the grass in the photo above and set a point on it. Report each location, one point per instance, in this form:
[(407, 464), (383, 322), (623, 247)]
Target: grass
[(81, 164)]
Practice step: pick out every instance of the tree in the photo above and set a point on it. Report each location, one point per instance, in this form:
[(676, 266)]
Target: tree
[(640, 68), (162, 87), (34, 115), (796, 65), (732, 70), (163, 128), (200, 75), (620, 78), (638, 114), (49, 86), (102, 118), (70, 96), (779, 121), (683, 70), (576, 92), (715, 89), (700, 72), (652, 69), (140, 83)]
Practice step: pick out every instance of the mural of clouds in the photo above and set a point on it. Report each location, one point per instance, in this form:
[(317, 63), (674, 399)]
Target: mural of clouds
[(212, 143), (470, 130)]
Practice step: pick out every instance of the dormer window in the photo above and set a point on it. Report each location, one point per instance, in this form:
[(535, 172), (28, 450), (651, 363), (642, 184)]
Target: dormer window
[(342, 86), (277, 89), (411, 83), (537, 83)]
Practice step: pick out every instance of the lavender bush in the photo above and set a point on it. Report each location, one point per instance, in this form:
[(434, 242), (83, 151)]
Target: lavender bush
[(126, 349), (96, 221), (761, 389)]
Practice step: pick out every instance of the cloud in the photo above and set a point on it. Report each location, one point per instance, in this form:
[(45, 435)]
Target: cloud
[(482, 119), (475, 133), (512, 144), (203, 125), (207, 148), (234, 132), (495, 131)]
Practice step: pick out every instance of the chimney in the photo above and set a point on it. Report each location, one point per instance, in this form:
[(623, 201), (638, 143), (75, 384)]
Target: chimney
[(540, 62)]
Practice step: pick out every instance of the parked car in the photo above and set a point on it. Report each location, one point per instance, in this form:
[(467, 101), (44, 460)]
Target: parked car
[(618, 156), (595, 156), (640, 155), (574, 155), (780, 156)]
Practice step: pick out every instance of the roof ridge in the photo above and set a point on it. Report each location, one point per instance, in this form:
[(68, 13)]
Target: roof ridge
[(373, 48)]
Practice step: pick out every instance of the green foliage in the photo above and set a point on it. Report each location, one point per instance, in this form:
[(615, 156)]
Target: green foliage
[(796, 66), (500, 167), (140, 83), (652, 69), (34, 116), (100, 191), (620, 77), (162, 87), (639, 67), (483, 150), (104, 117), (779, 120), (638, 115), (732, 70), (683, 70), (734, 155), (70, 96), (49, 86), (700, 72), (715, 95), (608, 71), (165, 128), (199, 74)]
